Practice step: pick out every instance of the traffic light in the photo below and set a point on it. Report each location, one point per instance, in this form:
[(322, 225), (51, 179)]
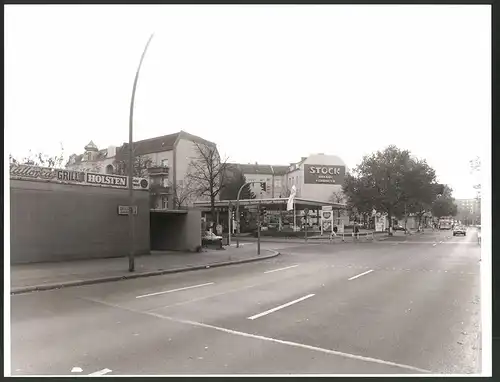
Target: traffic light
[(263, 186), (263, 211)]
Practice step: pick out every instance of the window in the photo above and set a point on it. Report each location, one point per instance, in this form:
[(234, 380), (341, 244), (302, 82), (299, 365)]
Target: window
[(109, 169), (164, 181), (164, 202)]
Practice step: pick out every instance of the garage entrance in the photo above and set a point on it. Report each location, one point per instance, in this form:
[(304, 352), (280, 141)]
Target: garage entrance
[(175, 230)]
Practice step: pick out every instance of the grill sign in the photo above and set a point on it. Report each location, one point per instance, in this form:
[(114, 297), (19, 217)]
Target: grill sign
[(108, 180), (321, 174), (26, 172)]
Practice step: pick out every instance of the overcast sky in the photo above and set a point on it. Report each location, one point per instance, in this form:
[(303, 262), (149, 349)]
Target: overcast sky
[(268, 84)]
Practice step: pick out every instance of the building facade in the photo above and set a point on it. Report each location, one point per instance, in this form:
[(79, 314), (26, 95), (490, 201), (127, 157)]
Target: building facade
[(316, 177), (469, 210), (165, 160)]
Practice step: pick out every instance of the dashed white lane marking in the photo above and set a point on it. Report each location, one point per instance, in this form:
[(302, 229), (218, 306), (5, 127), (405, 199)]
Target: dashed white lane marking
[(361, 274), (255, 336), (280, 307), (101, 372), (174, 290), (282, 269), (434, 244)]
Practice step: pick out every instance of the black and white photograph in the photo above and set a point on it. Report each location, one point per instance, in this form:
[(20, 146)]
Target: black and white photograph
[(247, 190)]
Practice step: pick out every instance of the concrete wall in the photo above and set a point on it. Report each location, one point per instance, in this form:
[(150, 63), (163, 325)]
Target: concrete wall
[(173, 231), (51, 222)]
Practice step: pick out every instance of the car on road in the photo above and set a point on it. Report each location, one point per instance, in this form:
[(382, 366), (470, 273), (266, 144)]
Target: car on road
[(459, 230)]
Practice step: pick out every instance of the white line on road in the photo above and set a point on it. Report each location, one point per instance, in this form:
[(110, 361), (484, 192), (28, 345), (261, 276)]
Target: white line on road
[(173, 290), (434, 244), (282, 269), (361, 274), (254, 336), (295, 344), (280, 307), (101, 372)]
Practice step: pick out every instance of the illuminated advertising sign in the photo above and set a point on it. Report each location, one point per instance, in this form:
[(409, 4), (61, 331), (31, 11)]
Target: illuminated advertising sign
[(323, 174)]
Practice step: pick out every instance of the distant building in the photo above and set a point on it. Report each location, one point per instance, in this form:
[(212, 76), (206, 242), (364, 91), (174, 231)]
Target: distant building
[(469, 210), (315, 177), (169, 155)]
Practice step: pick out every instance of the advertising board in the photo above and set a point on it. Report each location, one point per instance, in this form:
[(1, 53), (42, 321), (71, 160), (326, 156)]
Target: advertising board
[(26, 172), (323, 174)]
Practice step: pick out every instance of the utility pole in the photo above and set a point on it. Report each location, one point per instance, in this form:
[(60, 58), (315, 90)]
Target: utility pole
[(258, 229), (306, 211), (238, 212), (131, 260)]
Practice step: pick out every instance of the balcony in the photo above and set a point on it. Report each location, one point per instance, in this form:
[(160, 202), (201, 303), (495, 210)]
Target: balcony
[(158, 171)]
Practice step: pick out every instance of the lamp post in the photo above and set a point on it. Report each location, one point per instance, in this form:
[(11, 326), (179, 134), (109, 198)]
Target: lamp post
[(131, 260), (238, 211)]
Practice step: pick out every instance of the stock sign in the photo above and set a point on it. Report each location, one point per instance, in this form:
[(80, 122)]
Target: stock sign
[(323, 174)]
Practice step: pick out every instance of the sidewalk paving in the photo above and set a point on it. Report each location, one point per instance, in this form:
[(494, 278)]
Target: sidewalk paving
[(44, 276)]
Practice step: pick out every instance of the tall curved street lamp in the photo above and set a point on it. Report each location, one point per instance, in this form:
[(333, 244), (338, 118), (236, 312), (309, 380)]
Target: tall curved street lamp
[(131, 259)]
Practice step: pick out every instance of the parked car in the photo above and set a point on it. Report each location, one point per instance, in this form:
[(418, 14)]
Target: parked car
[(211, 238), (459, 230)]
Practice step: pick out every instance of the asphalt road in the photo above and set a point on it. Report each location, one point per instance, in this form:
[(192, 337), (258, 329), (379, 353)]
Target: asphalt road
[(380, 308)]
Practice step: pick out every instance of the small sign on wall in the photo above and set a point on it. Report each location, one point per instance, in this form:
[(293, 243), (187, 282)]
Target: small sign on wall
[(123, 210)]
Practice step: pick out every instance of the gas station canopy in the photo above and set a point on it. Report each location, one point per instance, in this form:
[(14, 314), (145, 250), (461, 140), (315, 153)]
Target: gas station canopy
[(270, 204)]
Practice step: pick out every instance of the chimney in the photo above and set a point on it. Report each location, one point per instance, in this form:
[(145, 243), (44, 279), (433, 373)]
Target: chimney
[(111, 152)]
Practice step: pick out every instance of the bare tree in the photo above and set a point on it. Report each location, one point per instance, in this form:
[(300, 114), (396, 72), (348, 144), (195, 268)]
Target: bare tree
[(141, 165), (183, 193), (40, 160), (207, 172), (337, 197)]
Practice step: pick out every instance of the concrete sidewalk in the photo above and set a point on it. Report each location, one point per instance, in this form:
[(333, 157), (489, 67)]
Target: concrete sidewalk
[(53, 275)]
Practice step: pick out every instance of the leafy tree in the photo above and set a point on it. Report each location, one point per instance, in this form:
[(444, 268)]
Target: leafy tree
[(234, 180), (207, 172), (444, 206), (419, 188), (392, 182)]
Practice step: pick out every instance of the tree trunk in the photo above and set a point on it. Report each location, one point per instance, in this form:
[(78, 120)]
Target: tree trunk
[(212, 208), (389, 215)]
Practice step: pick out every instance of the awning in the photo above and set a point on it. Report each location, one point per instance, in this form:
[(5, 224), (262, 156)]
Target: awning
[(272, 204), (171, 212)]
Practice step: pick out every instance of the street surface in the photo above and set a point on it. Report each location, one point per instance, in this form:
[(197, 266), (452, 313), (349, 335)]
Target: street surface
[(388, 307)]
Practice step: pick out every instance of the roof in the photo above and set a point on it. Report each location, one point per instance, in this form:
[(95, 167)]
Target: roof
[(272, 203), (260, 168), (159, 144), (146, 146)]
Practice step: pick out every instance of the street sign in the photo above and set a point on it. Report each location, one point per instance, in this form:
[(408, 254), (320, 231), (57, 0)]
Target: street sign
[(124, 210)]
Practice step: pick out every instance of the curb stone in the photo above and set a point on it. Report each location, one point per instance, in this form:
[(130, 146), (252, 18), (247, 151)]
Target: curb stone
[(44, 287)]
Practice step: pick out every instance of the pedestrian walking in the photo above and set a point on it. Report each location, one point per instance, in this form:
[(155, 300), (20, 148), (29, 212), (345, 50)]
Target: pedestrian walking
[(356, 231)]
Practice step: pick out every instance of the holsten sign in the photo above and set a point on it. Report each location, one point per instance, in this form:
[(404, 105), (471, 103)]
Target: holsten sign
[(74, 177), (323, 174)]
